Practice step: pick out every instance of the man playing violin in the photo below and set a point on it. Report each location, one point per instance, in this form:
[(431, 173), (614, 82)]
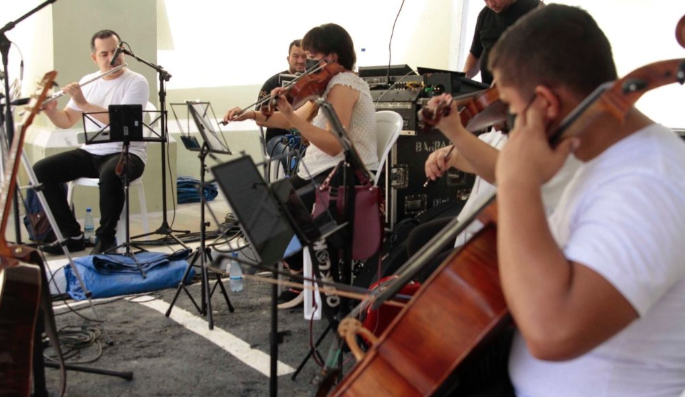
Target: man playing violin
[(492, 21), (296, 64), (93, 161), (596, 288)]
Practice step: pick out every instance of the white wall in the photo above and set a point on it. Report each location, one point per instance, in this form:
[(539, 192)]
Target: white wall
[(223, 51), (224, 43), (29, 38)]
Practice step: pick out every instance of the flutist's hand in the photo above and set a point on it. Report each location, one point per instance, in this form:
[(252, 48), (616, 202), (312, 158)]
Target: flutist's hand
[(437, 163), (74, 91), (49, 107), (235, 115)]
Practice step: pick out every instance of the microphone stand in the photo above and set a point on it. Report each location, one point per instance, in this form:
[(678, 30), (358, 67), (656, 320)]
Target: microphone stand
[(9, 120), (164, 76)]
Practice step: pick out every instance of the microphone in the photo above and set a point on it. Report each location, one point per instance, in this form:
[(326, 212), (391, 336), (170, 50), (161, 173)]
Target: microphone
[(117, 52)]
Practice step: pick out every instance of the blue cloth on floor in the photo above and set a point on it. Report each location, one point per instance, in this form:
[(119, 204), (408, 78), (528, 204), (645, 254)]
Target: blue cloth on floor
[(113, 275), (188, 190)]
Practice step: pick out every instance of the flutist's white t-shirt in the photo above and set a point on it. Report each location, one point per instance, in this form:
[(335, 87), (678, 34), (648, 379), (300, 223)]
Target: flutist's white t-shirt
[(128, 89)]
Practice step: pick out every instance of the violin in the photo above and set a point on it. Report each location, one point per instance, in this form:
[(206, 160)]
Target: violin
[(465, 291), (305, 87), (478, 111)]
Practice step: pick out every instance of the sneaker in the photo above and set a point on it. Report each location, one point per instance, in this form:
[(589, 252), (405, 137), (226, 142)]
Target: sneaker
[(290, 298), (73, 244), (104, 244)]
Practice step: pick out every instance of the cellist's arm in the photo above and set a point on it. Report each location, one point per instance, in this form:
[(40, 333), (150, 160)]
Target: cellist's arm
[(562, 308)]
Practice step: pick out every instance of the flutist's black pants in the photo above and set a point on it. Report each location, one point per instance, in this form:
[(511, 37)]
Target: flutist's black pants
[(64, 167)]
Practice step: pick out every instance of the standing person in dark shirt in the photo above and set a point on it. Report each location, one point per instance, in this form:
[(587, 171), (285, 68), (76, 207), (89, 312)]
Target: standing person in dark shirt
[(497, 16), (296, 64)]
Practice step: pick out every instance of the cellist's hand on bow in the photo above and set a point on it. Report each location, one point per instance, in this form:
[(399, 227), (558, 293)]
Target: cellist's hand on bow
[(528, 159)]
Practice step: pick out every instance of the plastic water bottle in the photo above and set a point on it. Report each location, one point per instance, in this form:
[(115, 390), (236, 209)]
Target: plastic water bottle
[(235, 274), (88, 226)]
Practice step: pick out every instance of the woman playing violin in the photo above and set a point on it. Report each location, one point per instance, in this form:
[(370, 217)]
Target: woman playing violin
[(596, 289), (349, 96)]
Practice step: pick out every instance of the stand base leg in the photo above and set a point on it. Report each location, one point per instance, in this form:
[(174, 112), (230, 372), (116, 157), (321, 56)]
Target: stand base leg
[(205, 308), (311, 352), (123, 375)]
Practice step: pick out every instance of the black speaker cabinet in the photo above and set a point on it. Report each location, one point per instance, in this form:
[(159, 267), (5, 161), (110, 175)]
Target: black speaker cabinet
[(406, 195)]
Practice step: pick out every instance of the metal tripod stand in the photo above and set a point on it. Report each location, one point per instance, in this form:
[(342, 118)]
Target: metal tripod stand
[(202, 253)]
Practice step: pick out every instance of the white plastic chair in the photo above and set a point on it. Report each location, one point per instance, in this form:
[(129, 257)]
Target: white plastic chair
[(388, 127), (93, 182)]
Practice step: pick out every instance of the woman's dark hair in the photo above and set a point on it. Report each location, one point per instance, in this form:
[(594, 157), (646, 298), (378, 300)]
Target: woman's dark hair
[(331, 38), (103, 34), (556, 45)]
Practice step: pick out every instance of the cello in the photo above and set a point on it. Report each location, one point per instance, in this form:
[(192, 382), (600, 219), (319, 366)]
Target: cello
[(465, 291)]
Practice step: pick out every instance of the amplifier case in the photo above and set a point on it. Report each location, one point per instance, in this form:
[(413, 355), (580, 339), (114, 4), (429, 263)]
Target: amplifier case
[(405, 193)]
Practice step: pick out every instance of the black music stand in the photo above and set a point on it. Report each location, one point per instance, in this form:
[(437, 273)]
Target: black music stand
[(352, 163), (275, 223), (212, 144), (265, 229), (163, 77), (126, 126)]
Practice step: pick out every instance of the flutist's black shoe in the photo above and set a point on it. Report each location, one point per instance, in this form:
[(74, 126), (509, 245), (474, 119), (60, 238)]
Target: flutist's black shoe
[(73, 244), (104, 244)]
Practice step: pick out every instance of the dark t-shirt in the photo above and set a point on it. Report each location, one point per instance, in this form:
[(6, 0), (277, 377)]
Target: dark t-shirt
[(266, 89), (490, 25)]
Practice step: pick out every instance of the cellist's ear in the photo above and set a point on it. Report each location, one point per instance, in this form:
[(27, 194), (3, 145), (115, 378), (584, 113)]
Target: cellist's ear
[(553, 103)]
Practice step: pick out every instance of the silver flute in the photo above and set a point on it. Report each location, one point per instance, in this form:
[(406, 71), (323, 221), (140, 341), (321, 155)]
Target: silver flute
[(60, 93)]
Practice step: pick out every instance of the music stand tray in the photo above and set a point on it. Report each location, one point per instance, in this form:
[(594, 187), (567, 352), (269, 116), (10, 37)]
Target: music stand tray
[(210, 131), (126, 125)]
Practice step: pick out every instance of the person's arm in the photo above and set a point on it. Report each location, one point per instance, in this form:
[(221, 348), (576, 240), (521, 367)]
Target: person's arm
[(441, 160), (77, 97), (65, 118), (342, 98), (475, 155), (471, 66), (275, 120), (562, 308)]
